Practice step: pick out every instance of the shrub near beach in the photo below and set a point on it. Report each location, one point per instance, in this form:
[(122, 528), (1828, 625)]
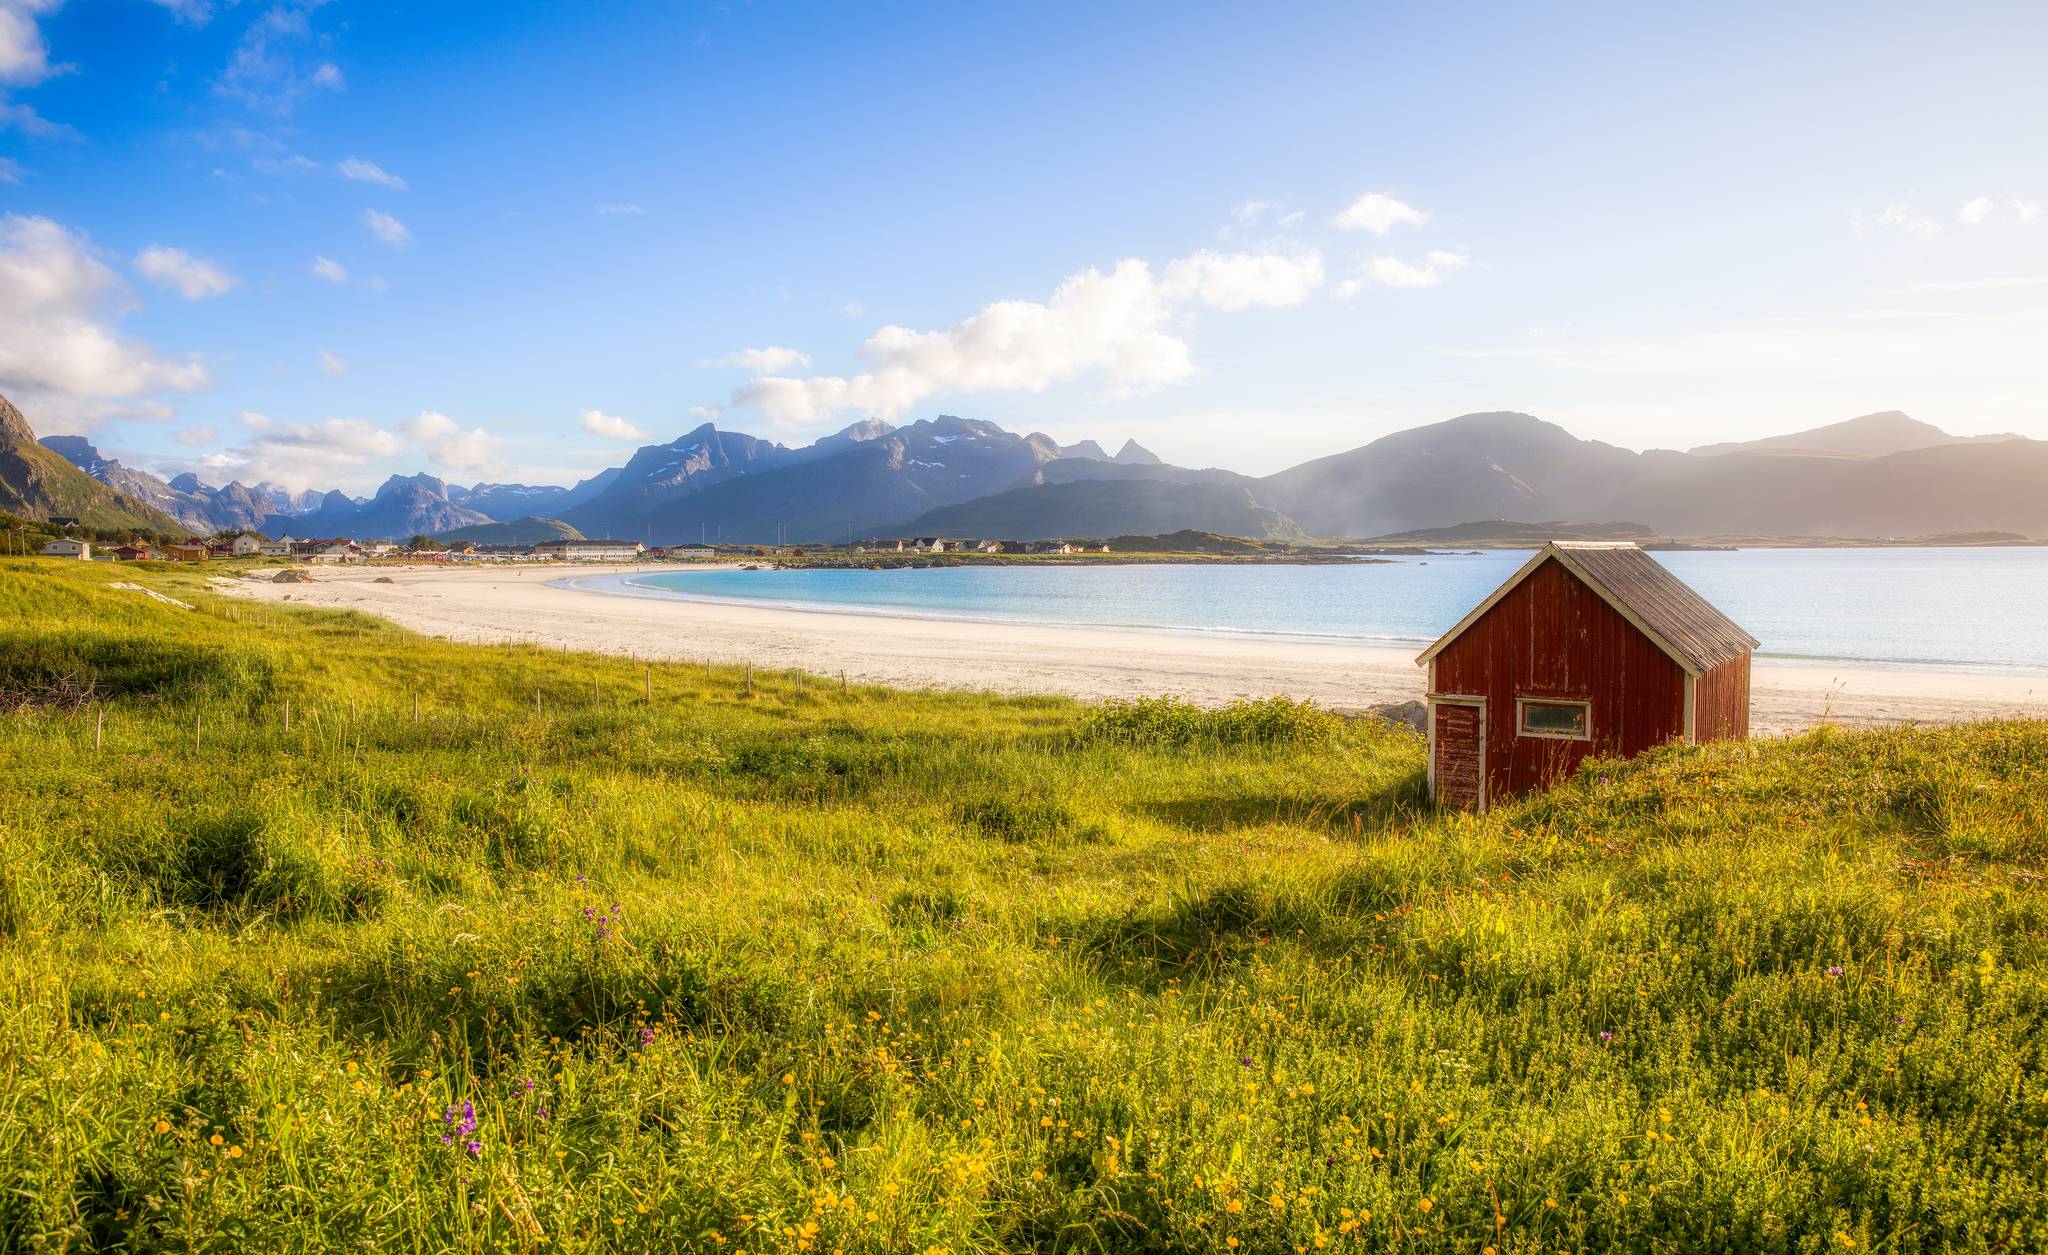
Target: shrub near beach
[(481, 948)]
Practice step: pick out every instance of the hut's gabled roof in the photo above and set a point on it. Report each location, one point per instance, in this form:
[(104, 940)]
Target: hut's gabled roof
[(1642, 590)]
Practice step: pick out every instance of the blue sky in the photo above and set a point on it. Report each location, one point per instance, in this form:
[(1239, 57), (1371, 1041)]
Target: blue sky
[(321, 243)]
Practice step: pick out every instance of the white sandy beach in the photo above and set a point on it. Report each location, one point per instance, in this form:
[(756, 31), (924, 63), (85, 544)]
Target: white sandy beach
[(496, 604)]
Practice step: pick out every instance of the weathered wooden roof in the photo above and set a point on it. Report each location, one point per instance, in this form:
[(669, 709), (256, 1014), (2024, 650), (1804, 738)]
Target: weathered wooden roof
[(1644, 591)]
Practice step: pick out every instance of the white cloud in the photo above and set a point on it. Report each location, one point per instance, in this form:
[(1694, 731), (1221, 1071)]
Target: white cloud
[(32, 124), (10, 170), (451, 445), (368, 172), (1242, 280), (190, 277), (192, 12), (289, 163), (331, 364), (329, 269), (1983, 209), (196, 437), (303, 455), (58, 306), (610, 426), (706, 412), (386, 228), (267, 72), (1437, 266), (24, 58), (1378, 213), (1115, 326), (612, 210), (350, 452), (768, 361), (1900, 221)]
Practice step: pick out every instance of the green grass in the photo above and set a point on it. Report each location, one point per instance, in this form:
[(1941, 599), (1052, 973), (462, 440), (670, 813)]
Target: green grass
[(781, 970)]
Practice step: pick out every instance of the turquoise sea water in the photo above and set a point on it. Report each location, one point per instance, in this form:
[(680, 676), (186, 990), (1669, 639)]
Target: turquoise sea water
[(1933, 607)]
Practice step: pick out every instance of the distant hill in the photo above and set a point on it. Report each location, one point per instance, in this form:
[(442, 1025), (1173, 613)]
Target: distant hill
[(526, 531), (1514, 466), (1505, 529), (1870, 436), (38, 483), (1105, 507), (1479, 466)]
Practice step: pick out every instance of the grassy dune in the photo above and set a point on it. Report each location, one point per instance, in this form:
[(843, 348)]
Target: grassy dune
[(500, 949)]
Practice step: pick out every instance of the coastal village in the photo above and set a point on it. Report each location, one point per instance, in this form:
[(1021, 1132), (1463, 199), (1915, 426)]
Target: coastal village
[(341, 549)]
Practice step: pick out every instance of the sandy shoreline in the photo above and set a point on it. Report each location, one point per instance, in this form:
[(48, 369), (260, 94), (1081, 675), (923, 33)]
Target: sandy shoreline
[(495, 604)]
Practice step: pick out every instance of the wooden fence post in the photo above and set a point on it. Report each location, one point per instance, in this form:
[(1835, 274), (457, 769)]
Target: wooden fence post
[(287, 715), (99, 727)]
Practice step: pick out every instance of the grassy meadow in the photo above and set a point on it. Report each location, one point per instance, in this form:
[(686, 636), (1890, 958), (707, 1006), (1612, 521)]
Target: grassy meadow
[(319, 935)]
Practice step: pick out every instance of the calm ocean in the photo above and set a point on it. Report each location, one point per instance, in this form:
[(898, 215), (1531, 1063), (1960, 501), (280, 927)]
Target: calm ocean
[(1932, 607)]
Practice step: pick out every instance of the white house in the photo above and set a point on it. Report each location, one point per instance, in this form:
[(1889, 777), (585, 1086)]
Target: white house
[(245, 545), (279, 548), (695, 553), (64, 547)]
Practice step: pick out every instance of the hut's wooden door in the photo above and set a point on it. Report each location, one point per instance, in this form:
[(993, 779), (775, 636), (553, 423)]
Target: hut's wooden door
[(1457, 752)]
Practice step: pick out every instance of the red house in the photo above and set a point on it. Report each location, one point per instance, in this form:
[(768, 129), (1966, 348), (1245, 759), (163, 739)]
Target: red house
[(1589, 648)]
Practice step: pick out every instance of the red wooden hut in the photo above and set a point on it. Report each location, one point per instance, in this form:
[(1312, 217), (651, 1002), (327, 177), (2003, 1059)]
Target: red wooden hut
[(1589, 648)]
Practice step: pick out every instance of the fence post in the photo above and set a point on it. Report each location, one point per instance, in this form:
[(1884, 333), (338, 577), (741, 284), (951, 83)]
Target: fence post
[(287, 715), (650, 684), (99, 727)]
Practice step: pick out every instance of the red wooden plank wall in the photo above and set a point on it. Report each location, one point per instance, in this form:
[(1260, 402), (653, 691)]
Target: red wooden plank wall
[(1720, 702)]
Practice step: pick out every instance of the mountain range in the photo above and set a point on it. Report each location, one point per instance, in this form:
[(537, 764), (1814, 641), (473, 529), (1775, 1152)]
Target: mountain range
[(1878, 475)]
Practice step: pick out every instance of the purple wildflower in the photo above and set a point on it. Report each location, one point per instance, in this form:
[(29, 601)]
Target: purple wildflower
[(1835, 972), (1605, 1035), (476, 1148), (646, 1036)]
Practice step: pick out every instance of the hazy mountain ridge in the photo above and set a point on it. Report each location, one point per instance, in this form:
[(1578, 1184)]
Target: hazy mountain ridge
[(1880, 474), (1868, 436)]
